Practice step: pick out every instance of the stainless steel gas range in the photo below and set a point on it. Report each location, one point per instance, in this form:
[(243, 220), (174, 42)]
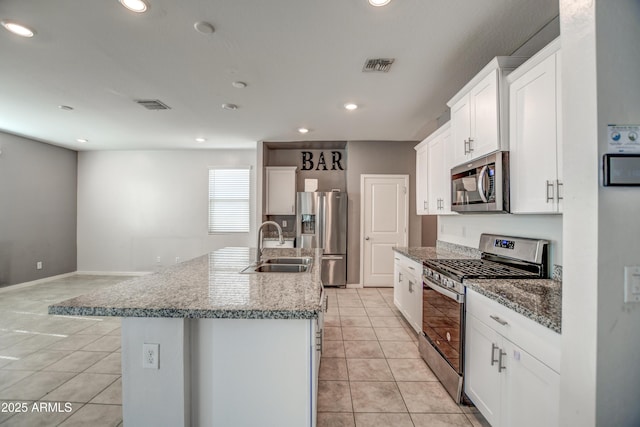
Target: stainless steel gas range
[(441, 343)]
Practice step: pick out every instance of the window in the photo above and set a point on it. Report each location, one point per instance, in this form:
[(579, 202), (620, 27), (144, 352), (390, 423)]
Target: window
[(229, 200)]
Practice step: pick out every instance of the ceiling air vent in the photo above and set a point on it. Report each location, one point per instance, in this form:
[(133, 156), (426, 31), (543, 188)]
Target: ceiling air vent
[(153, 104), (378, 65)]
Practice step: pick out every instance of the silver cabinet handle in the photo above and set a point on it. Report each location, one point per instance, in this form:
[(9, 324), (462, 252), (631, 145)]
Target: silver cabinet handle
[(558, 185), (466, 144), (470, 141), (500, 366), (549, 197), (411, 285), (499, 320), (493, 352), (424, 203), (399, 277), (411, 268)]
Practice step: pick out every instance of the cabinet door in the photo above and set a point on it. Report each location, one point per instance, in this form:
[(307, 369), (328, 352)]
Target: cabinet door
[(281, 191), (530, 391), (460, 130), (485, 107), (397, 282), (422, 180), (414, 297), (533, 130), (482, 380), (445, 179), (436, 171)]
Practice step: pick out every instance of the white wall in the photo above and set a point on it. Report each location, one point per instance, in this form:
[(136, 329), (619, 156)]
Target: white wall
[(134, 206), (465, 229)]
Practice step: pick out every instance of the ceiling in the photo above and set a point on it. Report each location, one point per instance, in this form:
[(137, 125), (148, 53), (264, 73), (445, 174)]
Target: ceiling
[(302, 61)]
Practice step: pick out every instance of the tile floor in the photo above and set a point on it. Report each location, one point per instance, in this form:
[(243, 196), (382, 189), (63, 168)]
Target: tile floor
[(371, 373), (52, 360)]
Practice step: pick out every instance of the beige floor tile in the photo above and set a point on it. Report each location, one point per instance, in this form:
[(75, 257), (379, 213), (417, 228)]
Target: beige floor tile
[(8, 378), (81, 388), (43, 416), (117, 331), (77, 361), (355, 321), (95, 415), (112, 364), (410, 370), (352, 311), (37, 342), (440, 420), (334, 396), (374, 303), (37, 361), (380, 312), (369, 370), (349, 302), (332, 333), (332, 321), (392, 334), (427, 397), (374, 396), (100, 328), (10, 339), (400, 349), (73, 342), (335, 419), (106, 343), (363, 350), (112, 395), (333, 368), (333, 349), (385, 322), (383, 420), (477, 420), (35, 386), (358, 334)]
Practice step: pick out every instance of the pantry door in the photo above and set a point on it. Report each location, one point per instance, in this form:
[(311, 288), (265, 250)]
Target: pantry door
[(384, 208)]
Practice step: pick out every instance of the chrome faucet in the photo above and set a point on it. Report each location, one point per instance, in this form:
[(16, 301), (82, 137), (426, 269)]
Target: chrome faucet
[(259, 246)]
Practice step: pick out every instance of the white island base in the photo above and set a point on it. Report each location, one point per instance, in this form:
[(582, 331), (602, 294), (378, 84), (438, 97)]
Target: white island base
[(221, 372)]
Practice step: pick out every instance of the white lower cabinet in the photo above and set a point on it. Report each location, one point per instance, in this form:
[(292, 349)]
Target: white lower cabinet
[(407, 289), (509, 385)]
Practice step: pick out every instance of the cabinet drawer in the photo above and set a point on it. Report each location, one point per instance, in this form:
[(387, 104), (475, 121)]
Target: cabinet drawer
[(413, 268), (539, 341)]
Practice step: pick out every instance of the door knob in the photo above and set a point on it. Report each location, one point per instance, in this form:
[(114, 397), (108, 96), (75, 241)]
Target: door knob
[(366, 238)]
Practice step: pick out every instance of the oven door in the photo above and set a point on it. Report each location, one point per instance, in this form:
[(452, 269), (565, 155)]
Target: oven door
[(443, 322)]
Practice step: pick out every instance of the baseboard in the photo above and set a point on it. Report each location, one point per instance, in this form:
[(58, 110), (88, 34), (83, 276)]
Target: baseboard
[(354, 285), (113, 273), (36, 282)]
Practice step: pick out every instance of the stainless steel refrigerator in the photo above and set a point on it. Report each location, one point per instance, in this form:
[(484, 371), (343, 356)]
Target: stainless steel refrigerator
[(321, 222)]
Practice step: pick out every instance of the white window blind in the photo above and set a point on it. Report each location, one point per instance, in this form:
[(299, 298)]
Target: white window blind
[(229, 200)]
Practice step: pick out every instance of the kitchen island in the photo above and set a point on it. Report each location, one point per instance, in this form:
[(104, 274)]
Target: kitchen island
[(235, 348)]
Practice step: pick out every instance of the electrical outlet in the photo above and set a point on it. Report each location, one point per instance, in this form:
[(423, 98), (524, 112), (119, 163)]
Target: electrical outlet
[(39, 265), (284, 223), (157, 260), (151, 356), (177, 259)]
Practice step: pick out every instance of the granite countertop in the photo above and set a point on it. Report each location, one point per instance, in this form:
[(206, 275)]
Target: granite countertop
[(538, 299), (420, 254), (210, 286)]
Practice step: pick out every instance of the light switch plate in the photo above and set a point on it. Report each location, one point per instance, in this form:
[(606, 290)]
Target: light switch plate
[(632, 284)]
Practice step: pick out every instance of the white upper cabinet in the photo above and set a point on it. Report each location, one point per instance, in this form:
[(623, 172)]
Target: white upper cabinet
[(433, 166), (535, 134), (281, 190), (479, 113), (422, 178)]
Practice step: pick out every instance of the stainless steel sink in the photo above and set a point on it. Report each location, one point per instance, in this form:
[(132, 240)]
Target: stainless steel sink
[(290, 260), (281, 268), (277, 267)]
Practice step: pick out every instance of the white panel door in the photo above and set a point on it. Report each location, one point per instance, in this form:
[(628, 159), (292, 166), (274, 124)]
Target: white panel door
[(484, 116), (384, 218)]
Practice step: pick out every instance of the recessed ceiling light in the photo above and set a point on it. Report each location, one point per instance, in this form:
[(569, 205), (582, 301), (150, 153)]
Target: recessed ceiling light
[(201, 139), (230, 106), (65, 107), (239, 84), (350, 106), (303, 130), (379, 3), (204, 27), (82, 140), (137, 6), (17, 29)]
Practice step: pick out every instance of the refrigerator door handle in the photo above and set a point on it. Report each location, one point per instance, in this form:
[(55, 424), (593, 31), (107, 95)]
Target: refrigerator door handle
[(332, 257)]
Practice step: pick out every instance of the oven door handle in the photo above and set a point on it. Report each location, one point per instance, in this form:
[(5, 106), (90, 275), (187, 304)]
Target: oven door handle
[(481, 189), (459, 298)]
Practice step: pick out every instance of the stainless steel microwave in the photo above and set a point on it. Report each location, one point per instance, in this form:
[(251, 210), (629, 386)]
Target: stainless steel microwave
[(481, 185)]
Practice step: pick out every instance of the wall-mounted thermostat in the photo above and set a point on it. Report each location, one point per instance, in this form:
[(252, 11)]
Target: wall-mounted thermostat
[(621, 169)]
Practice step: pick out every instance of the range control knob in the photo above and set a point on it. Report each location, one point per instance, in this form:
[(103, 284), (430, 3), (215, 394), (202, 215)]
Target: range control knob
[(436, 276)]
